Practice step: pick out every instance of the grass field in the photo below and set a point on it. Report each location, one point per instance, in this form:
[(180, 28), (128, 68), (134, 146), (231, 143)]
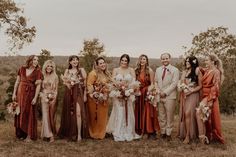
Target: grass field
[(11, 147)]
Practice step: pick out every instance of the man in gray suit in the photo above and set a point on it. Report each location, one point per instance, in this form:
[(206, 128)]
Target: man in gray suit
[(166, 77)]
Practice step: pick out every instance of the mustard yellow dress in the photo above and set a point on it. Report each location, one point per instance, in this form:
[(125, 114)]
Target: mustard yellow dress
[(97, 111)]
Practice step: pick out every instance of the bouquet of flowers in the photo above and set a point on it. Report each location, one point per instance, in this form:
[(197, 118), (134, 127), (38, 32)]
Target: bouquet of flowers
[(185, 87), (48, 96), (124, 89), (204, 110), (100, 92), (152, 94), (13, 108), (71, 79)]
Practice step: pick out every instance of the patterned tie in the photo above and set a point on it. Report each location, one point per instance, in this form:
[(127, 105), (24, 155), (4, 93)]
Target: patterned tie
[(164, 73)]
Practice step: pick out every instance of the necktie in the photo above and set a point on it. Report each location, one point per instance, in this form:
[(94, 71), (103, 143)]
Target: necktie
[(164, 73)]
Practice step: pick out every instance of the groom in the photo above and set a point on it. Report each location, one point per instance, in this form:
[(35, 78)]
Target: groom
[(166, 77)]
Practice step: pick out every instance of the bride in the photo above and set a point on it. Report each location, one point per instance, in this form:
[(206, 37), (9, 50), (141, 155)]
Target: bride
[(121, 123)]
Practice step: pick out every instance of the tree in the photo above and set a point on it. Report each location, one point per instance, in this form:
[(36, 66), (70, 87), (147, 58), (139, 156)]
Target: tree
[(219, 41), (91, 50), (216, 40), (11, 16), (44, 55), (10, 88)]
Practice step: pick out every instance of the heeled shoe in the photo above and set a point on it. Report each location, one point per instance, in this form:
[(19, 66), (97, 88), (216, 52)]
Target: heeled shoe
[(203, 139)]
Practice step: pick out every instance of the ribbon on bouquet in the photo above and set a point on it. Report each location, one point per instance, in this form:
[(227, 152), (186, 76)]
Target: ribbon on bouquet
[(126, 111)]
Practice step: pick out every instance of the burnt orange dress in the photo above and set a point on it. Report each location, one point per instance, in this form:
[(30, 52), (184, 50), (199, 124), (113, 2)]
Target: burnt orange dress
[(26, 121), (210, 88), (146, 120), (98, 112)]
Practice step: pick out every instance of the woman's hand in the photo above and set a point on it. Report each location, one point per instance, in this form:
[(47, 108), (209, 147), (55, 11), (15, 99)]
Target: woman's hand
[(68, 86), (210, 103), (14, 97), (33, 102)]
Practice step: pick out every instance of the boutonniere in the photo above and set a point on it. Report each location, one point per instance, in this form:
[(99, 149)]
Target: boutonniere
[(168, 70)]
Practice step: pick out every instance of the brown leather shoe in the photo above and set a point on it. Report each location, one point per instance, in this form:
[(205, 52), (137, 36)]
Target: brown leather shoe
[(163, 136), (168, 137)]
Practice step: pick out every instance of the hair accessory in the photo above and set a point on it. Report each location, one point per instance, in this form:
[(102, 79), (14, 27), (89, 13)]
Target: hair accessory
[(195, 61)]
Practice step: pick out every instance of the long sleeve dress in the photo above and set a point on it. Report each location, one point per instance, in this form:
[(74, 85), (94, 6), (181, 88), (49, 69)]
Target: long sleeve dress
[(98, 111)]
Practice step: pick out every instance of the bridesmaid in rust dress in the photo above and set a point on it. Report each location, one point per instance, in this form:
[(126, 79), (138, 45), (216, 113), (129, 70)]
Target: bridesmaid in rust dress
[(48, 100), (210, 129), (26, 91), (74, 112), (146, 121)]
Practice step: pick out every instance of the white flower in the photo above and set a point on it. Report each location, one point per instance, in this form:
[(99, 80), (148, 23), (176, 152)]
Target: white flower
[(13, 108), (129, 92)]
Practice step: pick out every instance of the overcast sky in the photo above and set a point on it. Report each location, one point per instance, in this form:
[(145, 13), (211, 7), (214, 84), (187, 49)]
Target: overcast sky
[(124, 26)]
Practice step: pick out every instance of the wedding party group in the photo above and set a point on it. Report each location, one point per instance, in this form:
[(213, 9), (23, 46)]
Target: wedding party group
[(143, 101)]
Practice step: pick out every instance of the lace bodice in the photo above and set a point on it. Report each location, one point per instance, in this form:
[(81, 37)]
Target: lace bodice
[(127, 77)]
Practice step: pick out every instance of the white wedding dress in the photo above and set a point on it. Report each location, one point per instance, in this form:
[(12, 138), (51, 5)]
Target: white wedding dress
[(117, 121)]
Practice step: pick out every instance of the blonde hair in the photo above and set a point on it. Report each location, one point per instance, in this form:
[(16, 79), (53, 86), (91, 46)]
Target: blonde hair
[(46, 63), (218, 63)]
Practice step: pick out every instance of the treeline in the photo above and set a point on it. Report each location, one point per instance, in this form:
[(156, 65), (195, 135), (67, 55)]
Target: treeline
[(214, 40)]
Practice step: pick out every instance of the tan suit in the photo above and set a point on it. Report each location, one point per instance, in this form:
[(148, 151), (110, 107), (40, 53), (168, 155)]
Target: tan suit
[(167, 106)]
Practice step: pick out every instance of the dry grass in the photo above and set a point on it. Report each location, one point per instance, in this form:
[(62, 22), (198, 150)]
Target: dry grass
[(11, 147)]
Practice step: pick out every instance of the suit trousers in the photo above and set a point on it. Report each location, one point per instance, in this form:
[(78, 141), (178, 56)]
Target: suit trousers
[(166, 116)]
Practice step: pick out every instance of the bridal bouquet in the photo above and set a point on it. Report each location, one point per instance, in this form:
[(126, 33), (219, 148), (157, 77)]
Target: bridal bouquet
[(71, 80), (100, 92), (13, 108), (47, 96), (124, 90), (204, 110), (152, 95), (185, 87)]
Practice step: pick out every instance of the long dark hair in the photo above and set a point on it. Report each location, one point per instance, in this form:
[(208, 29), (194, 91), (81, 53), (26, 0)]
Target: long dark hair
[(193, 61), (138, 66), (78, 67), (106, 72), (125, 56)]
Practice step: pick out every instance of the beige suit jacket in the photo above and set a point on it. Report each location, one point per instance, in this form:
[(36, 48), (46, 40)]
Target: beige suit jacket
[(169, 83)]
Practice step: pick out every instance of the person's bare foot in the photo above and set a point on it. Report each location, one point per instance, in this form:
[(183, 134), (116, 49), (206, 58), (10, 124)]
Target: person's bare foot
[(79, 139), (51, 139), (186, 140), (145, 136), (27, 139)]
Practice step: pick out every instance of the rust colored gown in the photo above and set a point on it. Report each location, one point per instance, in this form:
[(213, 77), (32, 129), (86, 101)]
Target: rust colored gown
[(146, 120), (211, 83), (26, 121), (98, 113)]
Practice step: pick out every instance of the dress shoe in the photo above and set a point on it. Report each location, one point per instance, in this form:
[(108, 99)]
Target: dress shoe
[(163, 136), (168, 137)]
